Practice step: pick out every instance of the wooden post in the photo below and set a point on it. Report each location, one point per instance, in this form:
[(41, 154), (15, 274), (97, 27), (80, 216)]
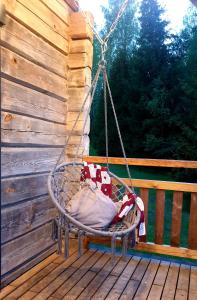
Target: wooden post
[(79, 80)]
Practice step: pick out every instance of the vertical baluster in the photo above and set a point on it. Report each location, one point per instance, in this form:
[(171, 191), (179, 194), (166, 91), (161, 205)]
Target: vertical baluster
[(66, 240), (113, 249), (192, 240), (176, 218), (160, 209), (80, 242)]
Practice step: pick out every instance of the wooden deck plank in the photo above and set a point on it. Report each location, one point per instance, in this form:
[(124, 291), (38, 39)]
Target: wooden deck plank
[(130, 290), (100, 278), (124, 278), (155, 292), (105, 288), (140, 270), (80, 286), (147, 280), (54, 274), (193, 284), (162, 272), (80, 272), (19, 291), (55, 283), (93, 276), (171, 281), (28, 296)]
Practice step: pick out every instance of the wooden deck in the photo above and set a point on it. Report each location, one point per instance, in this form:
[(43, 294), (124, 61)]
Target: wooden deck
[(92, 276)]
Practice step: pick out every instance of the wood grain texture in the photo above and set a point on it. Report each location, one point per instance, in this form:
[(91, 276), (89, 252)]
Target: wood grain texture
[(60, 8), (192, 240), (144, 162), (80, 60), (78, 130), (20, 219), (161, 185), (76, 97), (36, 25), (176, 218), (24, 42), (23, 100), (47, 16), (17, 189), (81, 46), (79, 77), (19, 68), (160, 211), (79, 27), (171, 281), (17, 161), (20, 250), (192, 284), (18, 129)]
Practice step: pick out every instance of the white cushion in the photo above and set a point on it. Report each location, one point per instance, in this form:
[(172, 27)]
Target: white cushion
[(92, 208)]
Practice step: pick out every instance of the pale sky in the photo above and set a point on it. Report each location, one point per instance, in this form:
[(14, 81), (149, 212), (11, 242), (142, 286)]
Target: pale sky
[(176, 9)]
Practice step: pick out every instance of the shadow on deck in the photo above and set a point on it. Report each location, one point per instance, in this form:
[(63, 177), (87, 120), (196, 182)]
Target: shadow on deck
[(92, 276)]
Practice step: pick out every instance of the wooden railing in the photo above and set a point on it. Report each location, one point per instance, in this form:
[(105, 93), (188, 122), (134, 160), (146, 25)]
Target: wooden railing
[(178, 188)]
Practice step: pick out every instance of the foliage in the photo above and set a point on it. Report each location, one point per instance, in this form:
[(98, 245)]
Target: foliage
[(153, 77)]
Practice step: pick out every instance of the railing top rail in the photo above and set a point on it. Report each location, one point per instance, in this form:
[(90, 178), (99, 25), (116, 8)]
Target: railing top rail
[(163, 185), (144, 162)]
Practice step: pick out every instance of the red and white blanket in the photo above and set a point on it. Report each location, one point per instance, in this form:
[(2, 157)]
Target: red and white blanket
[(98, 178)]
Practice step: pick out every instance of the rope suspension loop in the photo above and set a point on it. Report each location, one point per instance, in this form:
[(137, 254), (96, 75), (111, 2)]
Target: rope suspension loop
[(118, 129)]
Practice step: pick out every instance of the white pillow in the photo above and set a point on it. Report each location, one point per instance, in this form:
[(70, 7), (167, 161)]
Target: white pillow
[(92, 208)]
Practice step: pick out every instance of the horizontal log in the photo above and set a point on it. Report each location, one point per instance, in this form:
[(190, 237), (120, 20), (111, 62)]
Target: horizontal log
[(20, 99), (152, 248), (22, 218), (22, 69), (144, 162), (36, 25), (79, 27), (60, 8), (19, 161), (80, 60), (25, 247), (28, 265), (79, 77), (162, 185), (17, 189), (47, 16), (78, 130), (24, 42), (72, 149), (18, 129), (76, 97), (80, 46)]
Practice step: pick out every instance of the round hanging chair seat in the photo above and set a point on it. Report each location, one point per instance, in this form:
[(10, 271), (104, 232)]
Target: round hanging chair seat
[(65, 181)]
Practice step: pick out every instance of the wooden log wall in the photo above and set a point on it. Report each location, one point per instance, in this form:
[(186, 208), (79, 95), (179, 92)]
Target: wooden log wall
[(46, 60)]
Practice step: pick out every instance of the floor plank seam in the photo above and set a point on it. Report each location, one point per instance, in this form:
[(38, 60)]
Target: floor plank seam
[(121, 274), (77, 258), (89, 269), (154, 280)]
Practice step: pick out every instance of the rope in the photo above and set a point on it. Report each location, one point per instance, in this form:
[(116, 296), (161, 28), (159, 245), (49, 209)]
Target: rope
[(118, 128), (106, 120)]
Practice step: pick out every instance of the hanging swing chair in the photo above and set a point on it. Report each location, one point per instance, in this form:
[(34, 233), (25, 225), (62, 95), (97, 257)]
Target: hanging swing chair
[(66, 179)]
